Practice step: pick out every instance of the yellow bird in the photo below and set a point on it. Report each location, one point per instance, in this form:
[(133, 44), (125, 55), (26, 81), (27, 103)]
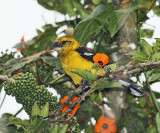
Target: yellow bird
[(75, 57)]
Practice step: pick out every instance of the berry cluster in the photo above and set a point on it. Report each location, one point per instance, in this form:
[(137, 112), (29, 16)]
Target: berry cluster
[(44, 71), (27, 91)]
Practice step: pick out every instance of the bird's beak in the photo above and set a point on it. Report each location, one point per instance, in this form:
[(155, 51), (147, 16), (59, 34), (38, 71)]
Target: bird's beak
[(56, 46)]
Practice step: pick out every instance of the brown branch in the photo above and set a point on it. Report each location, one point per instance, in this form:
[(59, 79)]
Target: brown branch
[(8, 80), (126, 71), (58, 116), (136, 68)]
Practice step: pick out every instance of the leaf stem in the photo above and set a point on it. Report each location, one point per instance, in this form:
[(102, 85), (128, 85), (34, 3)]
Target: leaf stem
[(57, 79), (3, 100), (18, 112), (61, 81), (37, 72), (152, 95), (45, 80)]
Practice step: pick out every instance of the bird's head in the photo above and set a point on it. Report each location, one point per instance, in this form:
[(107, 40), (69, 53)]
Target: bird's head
[(64, 44)]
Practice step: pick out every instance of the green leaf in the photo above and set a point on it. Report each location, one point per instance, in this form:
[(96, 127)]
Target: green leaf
[(156, 10), (96, 112), (63, 129), (139, 56), (85, 107), (156, 56), (99, 98), (38, 125), (148, 50), (4, 128), (152, 130), (20, 45), (112, 66), (85, 75), (102, 85), (148, 33), (142, 101), (6, 115), (35, 110), (147, 47), (47, 26), (19, 123), (41, 42), (89, 129), (39, 32), (54, 129), (157, 94), (45, 110), (118, 19), (158, 121), (67, 8), (92, 25), (154, 77), (96, 2), (92, 96), (16, 64), (156, 47), (53, 61)]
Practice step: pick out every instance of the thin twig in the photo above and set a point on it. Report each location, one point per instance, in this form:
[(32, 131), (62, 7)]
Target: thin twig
[(18, 112), (60, 82), (136, 68), (47, 77), (3, 100), (57, 79), (37, 72)]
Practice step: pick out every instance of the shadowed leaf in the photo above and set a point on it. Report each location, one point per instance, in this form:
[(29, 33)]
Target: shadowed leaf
[(118, 19), (92, 25), (4, 128)]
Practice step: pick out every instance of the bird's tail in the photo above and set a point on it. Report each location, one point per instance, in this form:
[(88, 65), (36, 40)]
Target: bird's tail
[(134, 91)]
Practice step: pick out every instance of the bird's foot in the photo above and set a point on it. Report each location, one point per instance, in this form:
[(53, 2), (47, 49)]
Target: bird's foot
[(85, 85)]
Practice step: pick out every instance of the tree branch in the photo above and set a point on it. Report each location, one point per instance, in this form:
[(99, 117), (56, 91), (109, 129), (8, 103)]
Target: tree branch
[(58, 116), (8, 80), (136, 68)]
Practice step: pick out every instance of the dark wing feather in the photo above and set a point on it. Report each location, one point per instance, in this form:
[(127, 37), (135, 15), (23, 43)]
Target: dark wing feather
[(85, 53)]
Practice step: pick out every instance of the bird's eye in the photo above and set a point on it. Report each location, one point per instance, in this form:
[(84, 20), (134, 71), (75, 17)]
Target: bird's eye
[(64, 42)]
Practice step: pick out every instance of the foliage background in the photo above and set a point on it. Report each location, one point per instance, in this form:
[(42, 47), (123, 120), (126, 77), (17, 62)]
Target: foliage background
[(17, 12)]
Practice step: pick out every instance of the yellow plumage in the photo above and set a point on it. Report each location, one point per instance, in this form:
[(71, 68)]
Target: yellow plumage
[(74, 57), (71, 60)]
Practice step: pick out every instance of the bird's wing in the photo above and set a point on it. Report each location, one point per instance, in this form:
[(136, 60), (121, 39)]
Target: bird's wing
[(85, 53)]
